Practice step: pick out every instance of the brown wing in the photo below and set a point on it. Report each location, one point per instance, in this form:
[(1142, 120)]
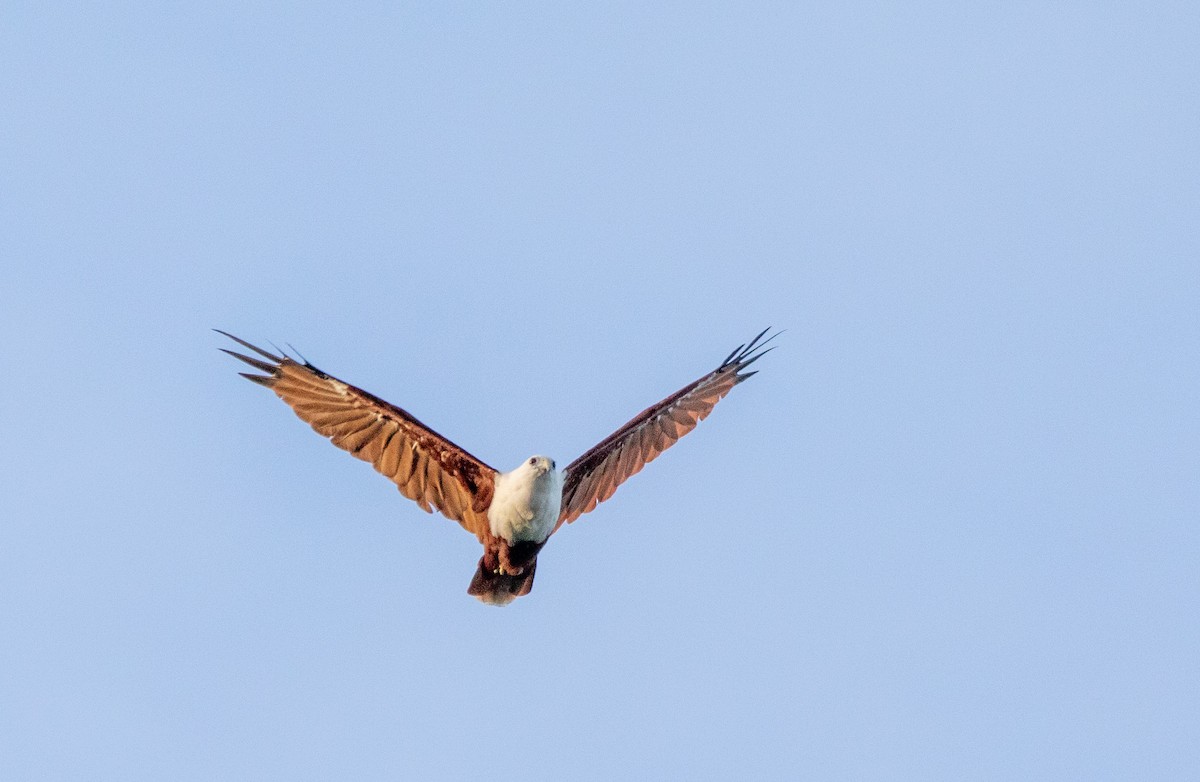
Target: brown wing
[(592, 478), (424, 465)]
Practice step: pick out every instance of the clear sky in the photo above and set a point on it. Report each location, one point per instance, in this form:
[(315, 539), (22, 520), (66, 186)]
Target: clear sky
[(949, 532)]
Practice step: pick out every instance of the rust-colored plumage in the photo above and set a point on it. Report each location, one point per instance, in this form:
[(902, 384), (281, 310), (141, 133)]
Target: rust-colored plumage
[(435, 473), (425, 466), (592, 478)]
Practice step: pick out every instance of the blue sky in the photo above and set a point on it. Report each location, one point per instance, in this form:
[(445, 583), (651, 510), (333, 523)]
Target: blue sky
[(949, 532)]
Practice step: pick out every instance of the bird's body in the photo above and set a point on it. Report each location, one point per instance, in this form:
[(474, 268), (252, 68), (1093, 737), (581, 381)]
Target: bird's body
[(526, 502), (513, 514)]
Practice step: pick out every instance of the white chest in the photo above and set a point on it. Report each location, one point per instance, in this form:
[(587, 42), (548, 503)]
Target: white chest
[(525, 505)]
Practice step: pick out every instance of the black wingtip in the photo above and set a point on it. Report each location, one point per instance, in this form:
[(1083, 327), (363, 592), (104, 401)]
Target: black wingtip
[(255, 348), (262, 380), (751, 359), (732, 353), (303, 360), (746, 354), (254, 362)]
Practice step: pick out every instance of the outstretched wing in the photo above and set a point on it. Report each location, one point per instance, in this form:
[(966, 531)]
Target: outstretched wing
[(425, 466), (592, 478)]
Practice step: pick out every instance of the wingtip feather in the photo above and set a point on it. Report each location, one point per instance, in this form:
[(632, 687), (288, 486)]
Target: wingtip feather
[(255, 348), (262, 380), (751, 351), (254, 362), (748, 361)]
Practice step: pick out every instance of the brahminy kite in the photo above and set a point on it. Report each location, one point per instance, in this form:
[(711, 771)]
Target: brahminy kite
[(512, 513)]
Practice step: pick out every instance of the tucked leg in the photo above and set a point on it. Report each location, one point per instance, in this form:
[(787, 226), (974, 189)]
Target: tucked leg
[(507, 567)]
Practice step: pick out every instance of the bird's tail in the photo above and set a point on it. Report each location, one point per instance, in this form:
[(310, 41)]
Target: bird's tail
[(500, 590)]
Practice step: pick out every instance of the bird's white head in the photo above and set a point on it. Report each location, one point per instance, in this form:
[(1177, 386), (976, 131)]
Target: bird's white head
[(539, 465)]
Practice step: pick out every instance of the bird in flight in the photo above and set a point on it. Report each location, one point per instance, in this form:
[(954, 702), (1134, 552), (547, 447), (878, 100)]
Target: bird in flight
[(512, 513)]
